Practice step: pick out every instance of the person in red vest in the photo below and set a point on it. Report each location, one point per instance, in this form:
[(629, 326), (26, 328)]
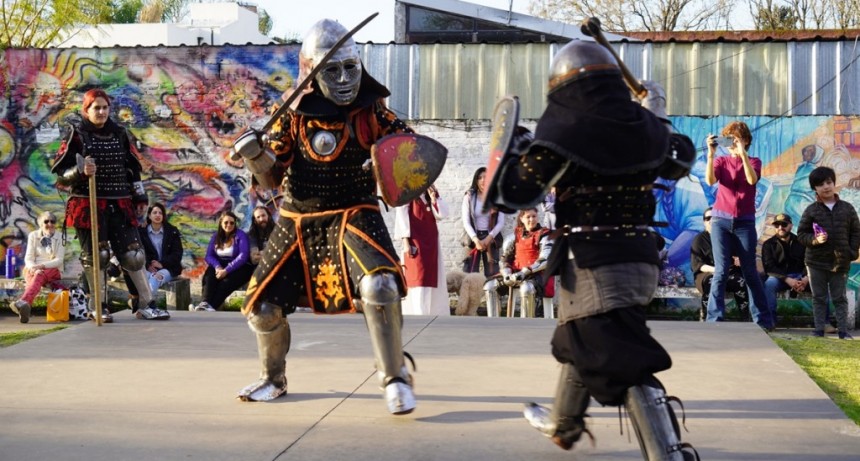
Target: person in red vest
[(522, 263), (424, 266)]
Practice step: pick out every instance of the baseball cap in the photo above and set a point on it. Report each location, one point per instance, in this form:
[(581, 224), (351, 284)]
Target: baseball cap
[(782, 218)]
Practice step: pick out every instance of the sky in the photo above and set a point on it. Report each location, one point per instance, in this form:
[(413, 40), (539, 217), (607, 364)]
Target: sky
[(292, 18)]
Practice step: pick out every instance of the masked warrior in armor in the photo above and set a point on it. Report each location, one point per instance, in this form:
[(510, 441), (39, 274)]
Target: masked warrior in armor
[(523, 262), (330, 249), (602, 152), (98, 146)]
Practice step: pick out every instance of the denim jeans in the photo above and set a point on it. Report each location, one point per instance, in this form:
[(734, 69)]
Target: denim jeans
[(772, 286), (736, 236), (834, 284), (154, 283)]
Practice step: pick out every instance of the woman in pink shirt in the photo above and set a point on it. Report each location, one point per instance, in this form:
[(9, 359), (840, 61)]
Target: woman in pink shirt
[(733, 221)]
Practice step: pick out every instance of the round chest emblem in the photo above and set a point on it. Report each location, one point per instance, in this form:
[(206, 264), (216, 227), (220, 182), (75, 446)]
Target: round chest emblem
[(323, 143)]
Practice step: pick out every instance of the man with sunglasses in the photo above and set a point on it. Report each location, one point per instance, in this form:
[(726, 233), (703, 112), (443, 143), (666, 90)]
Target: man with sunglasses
[(782, 258)]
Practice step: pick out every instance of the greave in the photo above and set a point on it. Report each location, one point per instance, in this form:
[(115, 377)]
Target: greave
[(91, 281), (492, 295), (528, 304), (138, 277), (384, 322), (655, 423), (548, 312), (273, 348)]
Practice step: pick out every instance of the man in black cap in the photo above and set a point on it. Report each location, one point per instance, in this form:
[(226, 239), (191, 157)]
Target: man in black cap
[(782, 258)]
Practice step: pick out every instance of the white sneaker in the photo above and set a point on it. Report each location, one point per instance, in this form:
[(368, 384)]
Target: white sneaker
[(204, 307)]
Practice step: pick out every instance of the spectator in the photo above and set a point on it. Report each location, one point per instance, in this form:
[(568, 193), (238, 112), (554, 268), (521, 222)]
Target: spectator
[(163, 244), (702, 264), (548, 208), (733, 221), (227, 255), (830, 230), (112, 159), (43, 262), (782, 258), (523, 263), (258, 234), (415, 226), (482, 230)]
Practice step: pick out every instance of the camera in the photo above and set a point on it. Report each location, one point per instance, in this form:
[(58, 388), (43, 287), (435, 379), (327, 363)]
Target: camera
[(725, 141)]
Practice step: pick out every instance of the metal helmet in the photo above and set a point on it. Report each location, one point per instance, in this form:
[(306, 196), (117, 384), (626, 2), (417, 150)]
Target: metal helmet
[(580, 59), (340, 78)]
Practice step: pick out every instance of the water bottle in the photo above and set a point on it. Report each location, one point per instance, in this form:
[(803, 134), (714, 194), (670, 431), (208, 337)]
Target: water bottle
[(10, 263)]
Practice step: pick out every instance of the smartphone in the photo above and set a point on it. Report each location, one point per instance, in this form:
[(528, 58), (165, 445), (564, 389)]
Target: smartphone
[(725, 141)]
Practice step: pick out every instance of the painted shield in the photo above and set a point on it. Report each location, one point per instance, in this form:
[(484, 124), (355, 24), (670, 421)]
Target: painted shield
[(405, 165), (506, 115)]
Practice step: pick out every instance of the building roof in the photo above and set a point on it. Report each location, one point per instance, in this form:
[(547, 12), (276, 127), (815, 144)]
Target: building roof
[(746, 36), (507, 18)]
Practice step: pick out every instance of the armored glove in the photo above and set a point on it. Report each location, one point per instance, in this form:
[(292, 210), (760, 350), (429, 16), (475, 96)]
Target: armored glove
[(138, 193), (259, 160)]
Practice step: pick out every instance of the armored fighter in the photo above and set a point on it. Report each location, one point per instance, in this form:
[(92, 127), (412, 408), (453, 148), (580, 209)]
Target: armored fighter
[(330, 248), (602, 151)]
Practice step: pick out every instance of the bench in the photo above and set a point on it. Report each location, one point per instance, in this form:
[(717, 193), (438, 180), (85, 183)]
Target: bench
[(177, 292), (12, 289), (676, 292)]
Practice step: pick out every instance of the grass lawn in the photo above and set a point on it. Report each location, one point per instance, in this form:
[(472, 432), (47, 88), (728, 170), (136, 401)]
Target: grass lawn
[(833, 364), (15, 337)]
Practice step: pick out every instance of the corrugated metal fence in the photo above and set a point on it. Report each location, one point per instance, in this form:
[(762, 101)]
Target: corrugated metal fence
[(463, 81)]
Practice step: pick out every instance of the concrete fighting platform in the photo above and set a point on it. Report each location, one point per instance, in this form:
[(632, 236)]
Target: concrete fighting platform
[(138, 390)]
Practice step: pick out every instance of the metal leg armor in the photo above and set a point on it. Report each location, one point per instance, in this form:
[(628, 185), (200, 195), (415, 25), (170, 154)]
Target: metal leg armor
[(87, 265), (548, 309), (273, 343), (133, 260), (528, 304), (381, 300), (565, 423), (492, 295), (655, 423)]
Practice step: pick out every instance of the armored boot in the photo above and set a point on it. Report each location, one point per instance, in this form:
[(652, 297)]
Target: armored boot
[(565, 423), (655, 423), (548, 312), (381, 300), (492, 295), (273, 343), (91, 281), (528, 301), (144, 306)]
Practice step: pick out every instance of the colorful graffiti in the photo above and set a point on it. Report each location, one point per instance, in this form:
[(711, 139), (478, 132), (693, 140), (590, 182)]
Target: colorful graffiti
[(184, 106)]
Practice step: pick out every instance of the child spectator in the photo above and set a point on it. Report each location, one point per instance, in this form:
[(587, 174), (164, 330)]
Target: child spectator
[(830, 230)]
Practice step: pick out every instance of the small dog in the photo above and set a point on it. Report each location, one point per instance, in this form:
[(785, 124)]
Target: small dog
[(469, 289)]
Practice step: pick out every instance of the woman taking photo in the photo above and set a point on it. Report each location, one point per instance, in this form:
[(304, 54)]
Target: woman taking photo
[(227, 257), (733, 220)]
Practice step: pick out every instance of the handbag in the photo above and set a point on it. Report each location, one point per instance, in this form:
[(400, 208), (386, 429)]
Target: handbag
[(78, 307), (58, 306)]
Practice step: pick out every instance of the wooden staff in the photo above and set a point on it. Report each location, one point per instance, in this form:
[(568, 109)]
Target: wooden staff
[(591, 28), (95, 291)]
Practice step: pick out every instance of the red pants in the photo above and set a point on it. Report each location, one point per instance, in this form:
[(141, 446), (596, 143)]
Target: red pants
[(35, 282)]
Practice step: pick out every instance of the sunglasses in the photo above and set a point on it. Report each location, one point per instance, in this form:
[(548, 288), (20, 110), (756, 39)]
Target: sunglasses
[(707, 218), (780, 224), (50, 221), (232, 223)]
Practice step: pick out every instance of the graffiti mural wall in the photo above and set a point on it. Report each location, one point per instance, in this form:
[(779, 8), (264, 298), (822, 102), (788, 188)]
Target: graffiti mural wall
[(184, 105)]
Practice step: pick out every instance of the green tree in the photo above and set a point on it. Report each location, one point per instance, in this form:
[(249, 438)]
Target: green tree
[(124, 11), (36, 23), (265, 23)]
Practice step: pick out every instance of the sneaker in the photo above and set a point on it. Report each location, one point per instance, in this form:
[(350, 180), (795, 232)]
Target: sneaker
[(107, 317), (830, 329), (204, 307), (22, 308), (150, 312), (818, 333), (845, 335)]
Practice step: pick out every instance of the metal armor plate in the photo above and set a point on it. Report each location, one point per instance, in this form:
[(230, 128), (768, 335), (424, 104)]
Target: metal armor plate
[(506, 115)]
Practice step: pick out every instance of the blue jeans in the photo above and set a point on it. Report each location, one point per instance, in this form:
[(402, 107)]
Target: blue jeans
[(772, 286), (154, 283), (736, 236)]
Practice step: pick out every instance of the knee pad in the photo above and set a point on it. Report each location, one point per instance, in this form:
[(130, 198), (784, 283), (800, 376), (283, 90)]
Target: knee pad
[(104, 255), (133, 259), (267, 319), (379, 288)]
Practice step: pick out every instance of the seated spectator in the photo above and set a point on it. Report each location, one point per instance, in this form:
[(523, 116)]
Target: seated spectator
[(227, 257), (163, 245), (782, 258), (43, 262), (258, 234), (702, 264), (522, 264)]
